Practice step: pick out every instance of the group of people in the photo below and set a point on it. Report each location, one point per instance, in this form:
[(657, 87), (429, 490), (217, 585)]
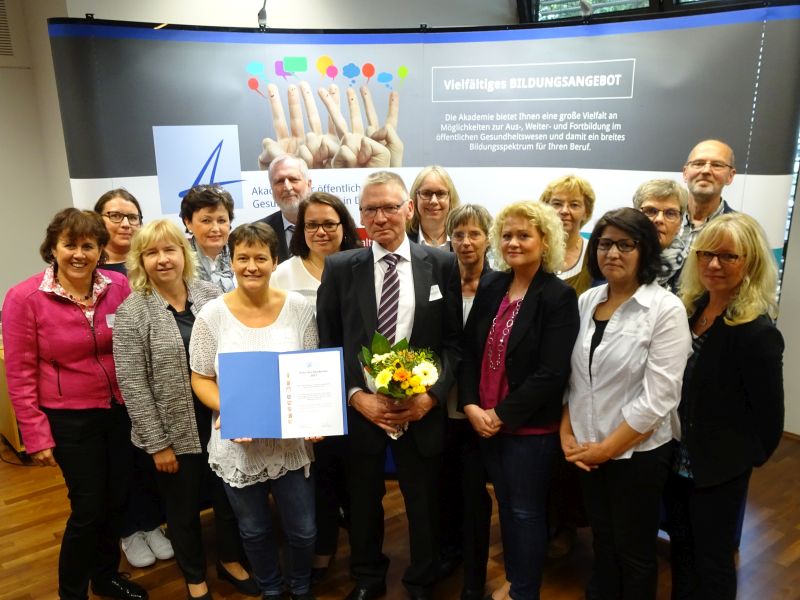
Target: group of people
[(564, 361)]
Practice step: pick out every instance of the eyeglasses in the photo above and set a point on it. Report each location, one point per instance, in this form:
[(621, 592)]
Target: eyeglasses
[(459, 236), (116, 217), (670, 214), (724, 258), (716, 165), (624, 246), (559, 204), (428, 195), (388, 210), (327, 226)]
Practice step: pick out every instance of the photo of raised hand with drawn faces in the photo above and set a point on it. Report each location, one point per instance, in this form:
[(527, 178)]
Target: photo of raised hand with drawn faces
[(346, 143)]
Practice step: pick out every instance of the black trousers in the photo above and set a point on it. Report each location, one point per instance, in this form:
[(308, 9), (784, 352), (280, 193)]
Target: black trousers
[(95, 455), (145, 509), (623, 503), (703, 533), (183, 493), (466, 507), (330, 491), (418, 477)]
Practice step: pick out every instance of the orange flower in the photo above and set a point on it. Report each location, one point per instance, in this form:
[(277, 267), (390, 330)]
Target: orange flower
[(401, 375)]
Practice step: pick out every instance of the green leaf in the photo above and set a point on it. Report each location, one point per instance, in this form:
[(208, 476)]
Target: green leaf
[(401, 345), (366, 356), (380, 345)]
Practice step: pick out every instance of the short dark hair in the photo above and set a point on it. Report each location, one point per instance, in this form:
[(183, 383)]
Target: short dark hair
[(251, 234), (350, 238), (74, 224), (641, 229), (205, 196), (116, 193)]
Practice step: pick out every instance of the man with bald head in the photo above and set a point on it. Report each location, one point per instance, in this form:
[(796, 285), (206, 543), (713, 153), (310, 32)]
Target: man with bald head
[(290, 183), (709, 168)]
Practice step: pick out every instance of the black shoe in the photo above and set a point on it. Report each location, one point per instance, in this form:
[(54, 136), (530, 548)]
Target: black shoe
[(248, 586), (206, 596), (472, 594), (367, 592), (119, 587), (309, 595)]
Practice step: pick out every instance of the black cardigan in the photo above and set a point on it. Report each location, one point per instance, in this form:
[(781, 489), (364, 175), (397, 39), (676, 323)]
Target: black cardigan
[(538, 352), (733, 401)]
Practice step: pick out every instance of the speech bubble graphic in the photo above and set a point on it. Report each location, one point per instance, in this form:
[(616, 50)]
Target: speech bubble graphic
[(402, 72), (323, 62), (295, 64), (368, 71), (280, 71), (385, 77), (332, 71), (351, 71), (252, 83), (255, 67)]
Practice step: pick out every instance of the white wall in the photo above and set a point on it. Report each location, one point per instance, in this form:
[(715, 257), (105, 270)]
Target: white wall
[(26, 161), (305, 14)]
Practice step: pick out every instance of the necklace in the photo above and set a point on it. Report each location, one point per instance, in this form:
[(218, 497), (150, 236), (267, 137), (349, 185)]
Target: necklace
[(496, 348), (79, 300), (310, 263)]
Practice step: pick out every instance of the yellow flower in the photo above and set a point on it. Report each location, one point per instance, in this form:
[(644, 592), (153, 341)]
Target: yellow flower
[(427, 373), (383, 378), (397, 364), (415, 381), (404, 385), (409, 392), (419, 389)]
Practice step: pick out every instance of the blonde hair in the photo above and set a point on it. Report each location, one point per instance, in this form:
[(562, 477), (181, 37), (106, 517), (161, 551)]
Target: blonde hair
[(413, 224), (157, 231), (572, 184), (546, 220), (757, 292)]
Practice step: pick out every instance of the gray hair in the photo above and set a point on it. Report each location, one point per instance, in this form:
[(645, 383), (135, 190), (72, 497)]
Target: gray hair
[(385, 178), (661, 189), (469, 213), (288, 157)]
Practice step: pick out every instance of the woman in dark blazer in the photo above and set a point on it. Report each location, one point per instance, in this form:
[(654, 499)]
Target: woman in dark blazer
[(731, 408), (151, 339), (517, 346)]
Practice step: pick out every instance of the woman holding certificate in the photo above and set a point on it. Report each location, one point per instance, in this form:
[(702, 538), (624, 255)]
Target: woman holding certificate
[(151, 352), (256, 317)]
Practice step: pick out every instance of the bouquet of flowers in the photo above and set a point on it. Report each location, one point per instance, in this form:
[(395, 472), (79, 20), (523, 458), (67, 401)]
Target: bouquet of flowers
[(398, 371)]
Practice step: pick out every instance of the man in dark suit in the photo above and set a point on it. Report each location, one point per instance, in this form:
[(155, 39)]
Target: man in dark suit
[(290, 183), (427, 314)]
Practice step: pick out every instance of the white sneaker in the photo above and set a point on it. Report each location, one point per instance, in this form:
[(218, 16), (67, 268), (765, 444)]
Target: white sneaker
[(159, 544), (137, 551)]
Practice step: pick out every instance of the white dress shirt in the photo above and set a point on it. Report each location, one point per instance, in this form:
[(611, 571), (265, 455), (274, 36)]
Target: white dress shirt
[(637, 369), (406, 305)]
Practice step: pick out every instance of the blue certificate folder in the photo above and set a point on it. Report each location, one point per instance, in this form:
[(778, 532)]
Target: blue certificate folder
[(249, 393)]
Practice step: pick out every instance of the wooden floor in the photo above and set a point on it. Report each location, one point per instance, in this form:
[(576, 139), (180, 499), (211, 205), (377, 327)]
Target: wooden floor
[(33, 508)]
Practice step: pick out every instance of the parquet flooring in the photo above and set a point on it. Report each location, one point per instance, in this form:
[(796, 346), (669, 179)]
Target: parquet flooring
[(33, 508)]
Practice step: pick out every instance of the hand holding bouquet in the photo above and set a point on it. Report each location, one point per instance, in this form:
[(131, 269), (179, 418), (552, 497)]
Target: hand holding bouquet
[(398, 371)]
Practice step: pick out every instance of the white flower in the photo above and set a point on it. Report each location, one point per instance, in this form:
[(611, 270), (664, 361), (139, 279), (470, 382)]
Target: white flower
[(376, 358), (427, 373)]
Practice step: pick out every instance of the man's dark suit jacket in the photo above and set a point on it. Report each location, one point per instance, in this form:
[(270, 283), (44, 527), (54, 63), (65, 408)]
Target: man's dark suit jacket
[(347, 317), (733, 400), (275, 220), (537, 353)]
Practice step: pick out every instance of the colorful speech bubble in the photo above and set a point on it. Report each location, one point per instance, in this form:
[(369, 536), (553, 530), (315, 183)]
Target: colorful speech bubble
[(295, 64), (332, 71), (368, 71), (351, 71), (280, 71), (402, 72), (323, 62), (252, 83), (385, 77), (255, 67)]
